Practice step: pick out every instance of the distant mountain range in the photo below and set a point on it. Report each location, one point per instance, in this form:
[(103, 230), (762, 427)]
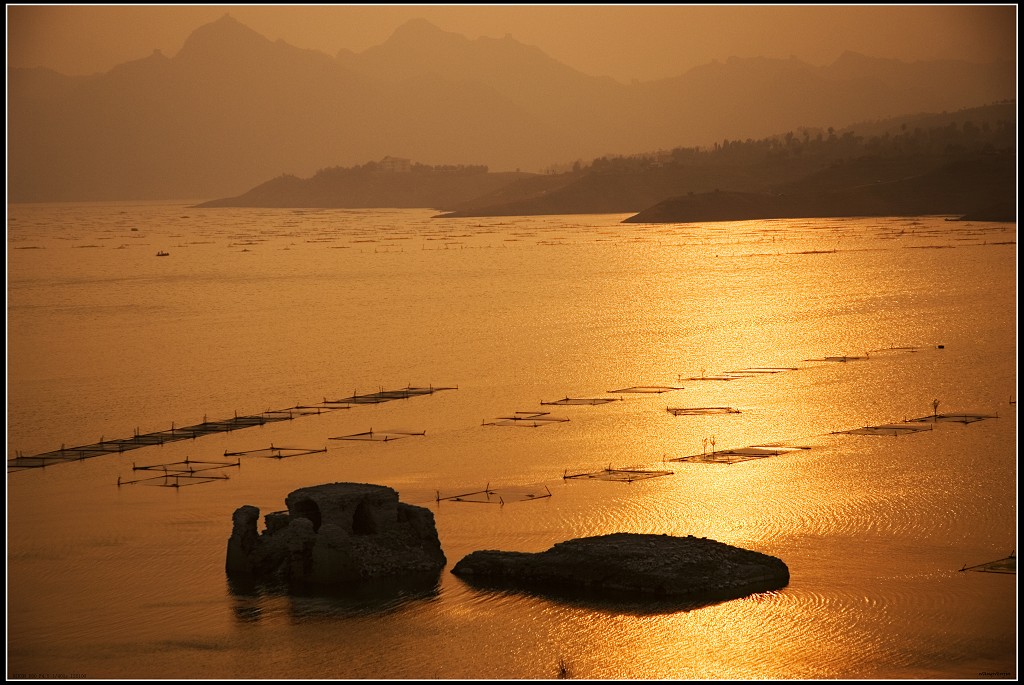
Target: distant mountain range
[(233, 109)]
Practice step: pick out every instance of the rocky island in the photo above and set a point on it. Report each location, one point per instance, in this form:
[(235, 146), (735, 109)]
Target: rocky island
[(335, 534), (631, 564)]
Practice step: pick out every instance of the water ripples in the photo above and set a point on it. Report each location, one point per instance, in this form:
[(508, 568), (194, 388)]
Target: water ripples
[(872, 528)]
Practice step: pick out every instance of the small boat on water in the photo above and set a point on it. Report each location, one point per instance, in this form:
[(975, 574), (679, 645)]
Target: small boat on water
[(161, 253)]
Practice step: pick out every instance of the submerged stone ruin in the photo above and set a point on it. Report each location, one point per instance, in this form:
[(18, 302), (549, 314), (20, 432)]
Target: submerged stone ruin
[(335, 534), (657, 566)]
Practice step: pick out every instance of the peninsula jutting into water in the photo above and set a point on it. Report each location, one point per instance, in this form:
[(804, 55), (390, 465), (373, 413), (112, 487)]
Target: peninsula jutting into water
[(953, 164)]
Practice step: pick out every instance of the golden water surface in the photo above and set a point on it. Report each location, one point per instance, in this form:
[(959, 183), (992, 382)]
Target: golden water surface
[(256, 310)]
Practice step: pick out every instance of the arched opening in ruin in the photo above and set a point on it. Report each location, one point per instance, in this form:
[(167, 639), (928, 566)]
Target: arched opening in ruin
[(362, 520), (307, 508)]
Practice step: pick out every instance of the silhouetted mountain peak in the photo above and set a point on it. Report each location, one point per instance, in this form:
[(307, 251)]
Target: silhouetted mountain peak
[(223, 36), (418, 28), (155, 57), (418, 38), (418, 49), (145, 67)]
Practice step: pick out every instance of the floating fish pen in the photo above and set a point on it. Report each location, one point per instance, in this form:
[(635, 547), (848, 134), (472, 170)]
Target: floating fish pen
[(328, 405), (276, 452), (175, 480), (65, 454), (210, 427), (953, 418), (527, 419), (566, 401), (892, 429), (900, 350), (499, 496), (740, 373), (740, 454), (21, 462), (923, 423), (620, 475), (174, 434), (388, 395), (701, 411), (297, 411), (379, 436), (1007, 565), (180, 474), (652, 389), (761, 369)]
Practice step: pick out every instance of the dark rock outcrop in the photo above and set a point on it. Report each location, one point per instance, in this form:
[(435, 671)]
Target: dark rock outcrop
[(631, 564), (335, 534)]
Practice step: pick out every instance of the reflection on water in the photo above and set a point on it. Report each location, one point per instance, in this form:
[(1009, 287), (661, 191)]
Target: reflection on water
[(379, 597), (604, 602), (515, 311)]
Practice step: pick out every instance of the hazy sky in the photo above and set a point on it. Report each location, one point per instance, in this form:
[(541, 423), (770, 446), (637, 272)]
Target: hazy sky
[(622, 41)]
